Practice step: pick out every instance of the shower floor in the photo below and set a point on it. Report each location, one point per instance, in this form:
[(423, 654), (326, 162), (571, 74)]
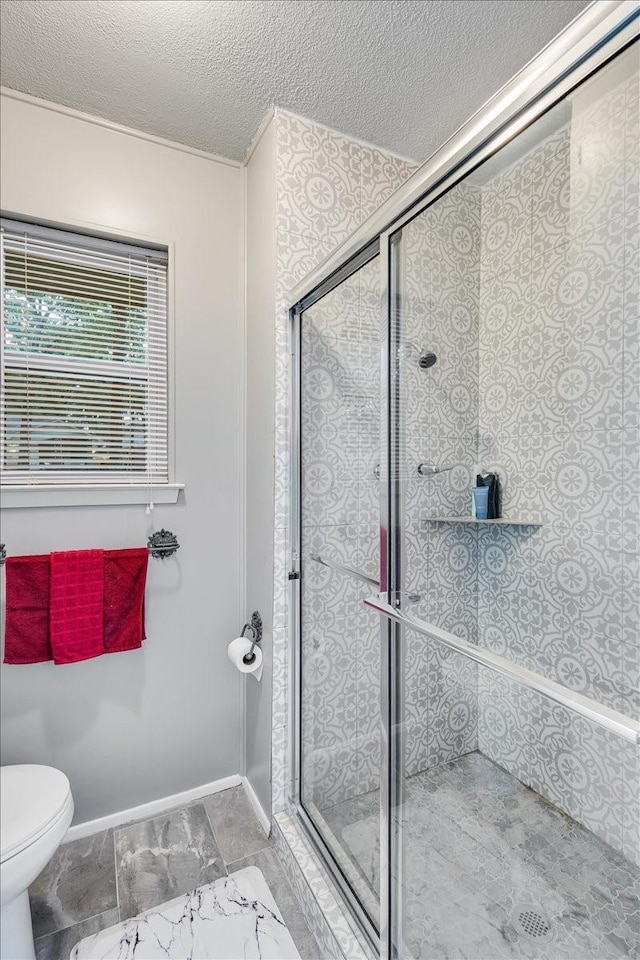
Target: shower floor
[(480, 850)]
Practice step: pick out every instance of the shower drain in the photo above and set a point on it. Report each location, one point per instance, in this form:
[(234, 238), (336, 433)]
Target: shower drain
[(530, 923)]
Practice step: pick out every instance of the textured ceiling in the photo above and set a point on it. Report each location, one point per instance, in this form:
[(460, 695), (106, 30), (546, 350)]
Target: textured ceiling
[(403, 74)]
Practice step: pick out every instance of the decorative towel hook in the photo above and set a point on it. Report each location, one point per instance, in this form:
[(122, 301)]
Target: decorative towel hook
[(255, 625), (162, 544)]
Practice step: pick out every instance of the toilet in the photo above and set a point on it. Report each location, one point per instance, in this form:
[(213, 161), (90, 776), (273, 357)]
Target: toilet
[(36, 810)]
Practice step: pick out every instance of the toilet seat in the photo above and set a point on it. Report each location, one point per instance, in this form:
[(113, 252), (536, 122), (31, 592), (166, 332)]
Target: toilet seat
[(33, 798)]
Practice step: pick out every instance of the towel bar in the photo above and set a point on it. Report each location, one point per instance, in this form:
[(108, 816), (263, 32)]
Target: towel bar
[(161, 544)]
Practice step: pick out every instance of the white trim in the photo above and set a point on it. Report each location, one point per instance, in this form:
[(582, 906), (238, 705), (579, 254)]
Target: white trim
[(259, 134), (258, 809), (86, 495), (146, 810), (116, 127)]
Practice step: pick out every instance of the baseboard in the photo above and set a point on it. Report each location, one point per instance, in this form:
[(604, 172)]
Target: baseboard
[(258, 809), (146, 810)]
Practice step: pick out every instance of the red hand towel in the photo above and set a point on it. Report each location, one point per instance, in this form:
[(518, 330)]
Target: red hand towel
[(26, 638), (76, 605), (125, 577)]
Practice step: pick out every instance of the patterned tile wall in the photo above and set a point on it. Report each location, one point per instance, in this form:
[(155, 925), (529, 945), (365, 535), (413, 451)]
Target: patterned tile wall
[(326, 186), (558, 405), (441, 258)]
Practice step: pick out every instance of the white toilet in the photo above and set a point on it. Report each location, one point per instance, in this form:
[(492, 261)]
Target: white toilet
[(35, 813)]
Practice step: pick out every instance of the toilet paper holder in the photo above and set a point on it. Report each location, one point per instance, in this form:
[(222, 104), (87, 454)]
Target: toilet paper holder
[(255, 625)]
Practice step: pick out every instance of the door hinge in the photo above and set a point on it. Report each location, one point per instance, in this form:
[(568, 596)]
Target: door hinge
[(294, 575)]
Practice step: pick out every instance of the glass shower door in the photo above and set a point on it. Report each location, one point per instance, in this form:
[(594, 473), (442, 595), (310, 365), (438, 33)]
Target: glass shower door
[(339, 649), (513, 657)]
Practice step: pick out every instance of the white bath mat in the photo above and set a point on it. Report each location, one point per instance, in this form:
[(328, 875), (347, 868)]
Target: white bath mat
[(235, 918)]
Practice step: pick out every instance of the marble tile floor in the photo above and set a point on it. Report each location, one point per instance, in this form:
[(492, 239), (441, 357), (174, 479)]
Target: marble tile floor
[(93, 883), (481, 851)]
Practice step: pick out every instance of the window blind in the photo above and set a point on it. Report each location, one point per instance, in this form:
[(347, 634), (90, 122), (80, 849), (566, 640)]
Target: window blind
[(84, 366)]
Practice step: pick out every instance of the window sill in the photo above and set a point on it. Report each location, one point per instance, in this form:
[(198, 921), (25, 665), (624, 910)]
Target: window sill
[(87, 495)]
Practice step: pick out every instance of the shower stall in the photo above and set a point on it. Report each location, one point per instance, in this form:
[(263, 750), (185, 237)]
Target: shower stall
[(466, 691)]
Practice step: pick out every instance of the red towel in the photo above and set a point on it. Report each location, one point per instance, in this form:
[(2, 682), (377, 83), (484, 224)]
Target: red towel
[(26, 638), (28, 614), (125, 577), (76, 605)]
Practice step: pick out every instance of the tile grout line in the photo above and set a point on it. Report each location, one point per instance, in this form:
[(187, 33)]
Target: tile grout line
[(233, 863), (237, 859), (70, 926), (215, 839)]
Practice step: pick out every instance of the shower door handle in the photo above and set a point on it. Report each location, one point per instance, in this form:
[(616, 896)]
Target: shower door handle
[(625, 727), (340, 568)]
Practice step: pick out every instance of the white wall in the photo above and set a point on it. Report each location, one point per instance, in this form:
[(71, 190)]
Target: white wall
[(136, 726), (260, 354)]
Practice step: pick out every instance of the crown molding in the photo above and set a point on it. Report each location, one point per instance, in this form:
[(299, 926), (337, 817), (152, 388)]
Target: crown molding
[(115, 127)]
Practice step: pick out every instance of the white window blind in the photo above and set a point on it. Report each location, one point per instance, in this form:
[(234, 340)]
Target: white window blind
[(84, 366)]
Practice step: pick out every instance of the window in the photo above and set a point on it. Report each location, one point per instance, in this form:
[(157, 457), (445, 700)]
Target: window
[(84, 368)]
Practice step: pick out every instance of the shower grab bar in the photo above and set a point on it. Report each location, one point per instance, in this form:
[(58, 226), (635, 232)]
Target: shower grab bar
[(611, 720), (348, 570)]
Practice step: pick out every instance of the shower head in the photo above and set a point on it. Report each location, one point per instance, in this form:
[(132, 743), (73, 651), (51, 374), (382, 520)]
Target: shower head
[(427, 360)]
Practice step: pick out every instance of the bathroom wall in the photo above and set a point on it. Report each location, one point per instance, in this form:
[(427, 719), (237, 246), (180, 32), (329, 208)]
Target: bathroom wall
[(134, 727), (559, 382)]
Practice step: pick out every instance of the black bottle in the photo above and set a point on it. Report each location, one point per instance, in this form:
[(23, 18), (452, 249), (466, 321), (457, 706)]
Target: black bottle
[(493, 506)]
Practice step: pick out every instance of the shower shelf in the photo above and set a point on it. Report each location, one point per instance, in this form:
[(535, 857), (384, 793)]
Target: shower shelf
[(502, 521)]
